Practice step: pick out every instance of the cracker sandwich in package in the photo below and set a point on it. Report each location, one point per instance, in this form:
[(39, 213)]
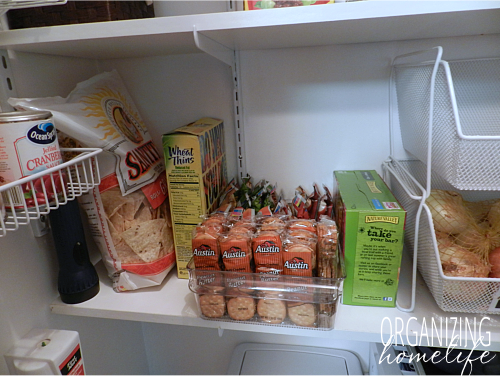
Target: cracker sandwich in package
[(128, 212)]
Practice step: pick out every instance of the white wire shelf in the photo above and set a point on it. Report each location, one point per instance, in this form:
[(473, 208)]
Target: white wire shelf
[(449, 116), (452, 294), (25, 200)]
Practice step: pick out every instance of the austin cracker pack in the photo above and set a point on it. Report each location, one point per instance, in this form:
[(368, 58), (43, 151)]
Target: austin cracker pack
[(196, 169), (371, 223)]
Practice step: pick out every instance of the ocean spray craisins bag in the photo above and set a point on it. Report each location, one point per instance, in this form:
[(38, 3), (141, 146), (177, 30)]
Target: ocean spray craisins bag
[(128, 212)]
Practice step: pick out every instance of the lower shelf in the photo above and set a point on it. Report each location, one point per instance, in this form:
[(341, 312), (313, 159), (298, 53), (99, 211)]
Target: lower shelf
[(173, 303)]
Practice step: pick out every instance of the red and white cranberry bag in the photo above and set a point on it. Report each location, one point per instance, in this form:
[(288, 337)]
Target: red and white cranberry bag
[(28, 145)]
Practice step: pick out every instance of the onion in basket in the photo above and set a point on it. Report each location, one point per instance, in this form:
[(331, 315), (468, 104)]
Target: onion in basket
[(479, 238), (449, 213), (494, 259), (459, 262), (444, 239), (479, 209), (494, 214)]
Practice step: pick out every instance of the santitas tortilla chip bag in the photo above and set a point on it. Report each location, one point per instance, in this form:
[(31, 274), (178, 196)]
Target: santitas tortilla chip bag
[(128, 212)]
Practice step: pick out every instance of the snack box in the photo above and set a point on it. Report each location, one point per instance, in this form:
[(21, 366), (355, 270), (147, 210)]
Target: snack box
[(268, 299), (195, 162), (371, 225), (250, 5)]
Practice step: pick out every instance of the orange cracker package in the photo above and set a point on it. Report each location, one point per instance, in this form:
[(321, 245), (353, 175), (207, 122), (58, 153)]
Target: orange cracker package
[(128, 212), (273, 223), (205, 249), (240, 226), (213, 223), (327, 248), (302, 224), (267, 250), (236, 252), (206, 256), (267, 247), (299, 257)]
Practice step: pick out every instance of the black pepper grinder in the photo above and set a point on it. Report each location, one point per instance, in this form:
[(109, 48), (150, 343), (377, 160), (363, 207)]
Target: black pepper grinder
[(77, 280)]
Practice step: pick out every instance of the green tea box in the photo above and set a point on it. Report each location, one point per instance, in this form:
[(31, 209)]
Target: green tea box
[(371, 223)]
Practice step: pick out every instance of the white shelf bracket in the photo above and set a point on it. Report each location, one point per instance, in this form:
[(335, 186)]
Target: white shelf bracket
[(213, 48), (231, 58)]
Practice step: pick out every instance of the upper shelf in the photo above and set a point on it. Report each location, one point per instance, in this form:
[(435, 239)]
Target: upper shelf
[(343, 23)]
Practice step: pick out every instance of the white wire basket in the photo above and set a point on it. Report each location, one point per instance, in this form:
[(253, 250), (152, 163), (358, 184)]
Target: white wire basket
[(80, 175), (449, 116), (452, 294)]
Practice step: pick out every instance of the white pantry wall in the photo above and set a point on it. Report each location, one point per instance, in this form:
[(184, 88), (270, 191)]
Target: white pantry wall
[(27, 283), (172, 91), (309, 111)]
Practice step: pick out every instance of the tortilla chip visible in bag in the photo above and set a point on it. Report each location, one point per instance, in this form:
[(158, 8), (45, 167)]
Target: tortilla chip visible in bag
[(127, 255), (145, 239), (118, 224), (112, 201)]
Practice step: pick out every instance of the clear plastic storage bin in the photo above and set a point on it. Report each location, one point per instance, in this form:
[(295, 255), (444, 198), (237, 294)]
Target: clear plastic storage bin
[(267, 299), (456, 107)]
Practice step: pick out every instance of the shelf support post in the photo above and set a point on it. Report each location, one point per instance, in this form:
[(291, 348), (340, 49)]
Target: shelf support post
[(231, 58)]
